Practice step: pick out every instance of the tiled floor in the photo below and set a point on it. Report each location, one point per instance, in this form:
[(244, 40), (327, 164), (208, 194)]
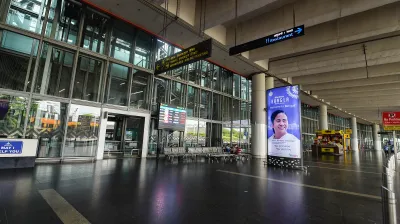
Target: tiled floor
[(147, 191)]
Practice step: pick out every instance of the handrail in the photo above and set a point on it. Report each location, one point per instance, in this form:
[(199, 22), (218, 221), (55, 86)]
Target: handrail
[(387, 189)]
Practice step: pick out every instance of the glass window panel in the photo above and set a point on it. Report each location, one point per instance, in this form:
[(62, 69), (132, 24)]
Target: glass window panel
[(177, 94), (179, 72), (244, 88), (143, 49), (88, 79), (121, 41), (206, 74), (192, 71), (17, 60), (46, 123), (94, 32), (117, 85), (226, 135), (12, 116), (203, 137), (236, 135), (216, 82), (64, 23), (191, 130), (193, 102), (226, 109), (216, 108), (236, 109), (25, 14), (236, 85), (163, 49), (250, 90), (55, 71), (226, 80), (82, 131), (139, 90), (160, 90), (244, 115), (206, 105), (216, 137)]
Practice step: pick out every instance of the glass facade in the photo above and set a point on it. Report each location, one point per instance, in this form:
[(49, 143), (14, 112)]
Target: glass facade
[(64, 61)]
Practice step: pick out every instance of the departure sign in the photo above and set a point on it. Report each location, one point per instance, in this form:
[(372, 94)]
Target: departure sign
[(171, 117), (268, 40), (189, 55)]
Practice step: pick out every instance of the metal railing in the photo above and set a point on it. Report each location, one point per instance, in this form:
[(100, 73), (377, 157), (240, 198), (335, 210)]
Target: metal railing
[(387, 190)]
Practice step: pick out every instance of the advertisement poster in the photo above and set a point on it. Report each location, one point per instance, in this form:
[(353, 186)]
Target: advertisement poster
[(391, 121), (284, 126)]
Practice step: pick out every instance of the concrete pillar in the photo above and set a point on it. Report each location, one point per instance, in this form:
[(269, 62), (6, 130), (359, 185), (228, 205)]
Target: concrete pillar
[(258, 122), (288, 79), (323, 117), (269, 83), (354, 138), (376, 137)]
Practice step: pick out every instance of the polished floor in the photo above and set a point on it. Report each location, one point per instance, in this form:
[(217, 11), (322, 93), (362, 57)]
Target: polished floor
[(342, 189)]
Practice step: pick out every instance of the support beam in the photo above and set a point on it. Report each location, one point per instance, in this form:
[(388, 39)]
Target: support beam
[(323, 117), (258, 123), (376, 137), (354, 136)]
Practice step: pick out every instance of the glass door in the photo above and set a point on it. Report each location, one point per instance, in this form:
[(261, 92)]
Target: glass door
[(133, 136)]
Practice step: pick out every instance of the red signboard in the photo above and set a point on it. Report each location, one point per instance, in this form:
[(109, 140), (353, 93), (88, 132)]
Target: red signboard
[(391, 121)]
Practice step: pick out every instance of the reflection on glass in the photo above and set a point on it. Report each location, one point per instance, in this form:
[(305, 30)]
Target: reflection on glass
[(14, 72), (12, 116), (206, 74), (236, 85), (204, 134), (226, 135), (236, 108), (216, 108), (216, 79), (25, 14), (82, 131), (139, 90), (206, 105), (117, 85), (88, 79), (143, 49), (193, 102), (226, 108), (216, 137), (192, 72), (226, 81), (64, 23), (46, 123), (121, 41), (177, 93), (94, 32), (160, 90), (163, 49), (244, 88), (55, 71)]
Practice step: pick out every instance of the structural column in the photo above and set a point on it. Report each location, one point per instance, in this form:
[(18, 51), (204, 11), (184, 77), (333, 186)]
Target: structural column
[(258, 122), (354, 138), (376, 137), (323, 117)]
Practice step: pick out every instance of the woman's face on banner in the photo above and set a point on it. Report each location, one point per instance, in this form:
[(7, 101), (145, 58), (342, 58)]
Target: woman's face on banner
[(280, 124)]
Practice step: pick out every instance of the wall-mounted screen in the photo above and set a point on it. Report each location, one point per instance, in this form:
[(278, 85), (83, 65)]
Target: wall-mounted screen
[(171, 117)]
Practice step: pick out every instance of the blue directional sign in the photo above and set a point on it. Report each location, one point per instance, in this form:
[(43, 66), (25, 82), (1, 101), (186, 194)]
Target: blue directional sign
[(11, 147), (265, 41)]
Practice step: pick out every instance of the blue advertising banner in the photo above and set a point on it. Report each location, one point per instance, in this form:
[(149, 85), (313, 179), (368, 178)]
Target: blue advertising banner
[(11, 147), (284, 126)]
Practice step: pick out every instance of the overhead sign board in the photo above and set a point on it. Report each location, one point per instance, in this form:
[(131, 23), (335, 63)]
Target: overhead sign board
[(391, 121), (189, 55), (268, 40), (349, 131)]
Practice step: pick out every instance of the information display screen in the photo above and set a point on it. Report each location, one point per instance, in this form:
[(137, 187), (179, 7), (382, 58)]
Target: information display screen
[(171, 117), (283, 131)]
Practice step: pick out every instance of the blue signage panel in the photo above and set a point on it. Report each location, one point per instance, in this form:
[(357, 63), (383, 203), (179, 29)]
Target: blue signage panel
[(284, 127), (265, 41), (11, 147)]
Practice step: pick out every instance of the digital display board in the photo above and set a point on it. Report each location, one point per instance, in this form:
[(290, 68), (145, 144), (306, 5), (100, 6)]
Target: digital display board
[(268, 40), (284, 127), (171, 117), (189, 55)]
